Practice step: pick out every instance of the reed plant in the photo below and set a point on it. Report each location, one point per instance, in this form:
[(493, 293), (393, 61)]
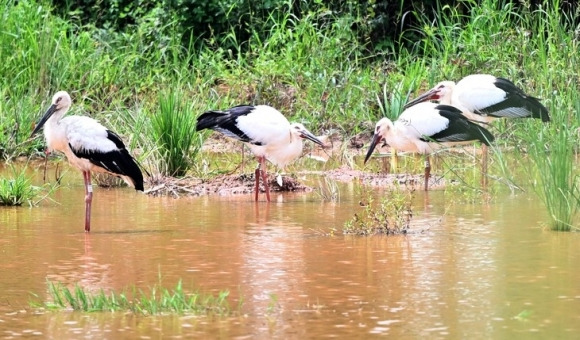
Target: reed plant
[(18, 189), (173, 128), (556, 180), (157, 301)]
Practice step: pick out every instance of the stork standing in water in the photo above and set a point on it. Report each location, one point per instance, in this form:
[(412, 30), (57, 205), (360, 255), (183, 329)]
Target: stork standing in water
[(265, 130), (88, 146), (483, 98), (426, 127)]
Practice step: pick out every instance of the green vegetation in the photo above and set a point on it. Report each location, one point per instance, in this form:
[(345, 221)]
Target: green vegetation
[(327, 190), (174, 131), (18, 189), (557, 179), (158, 301), (391, 215)]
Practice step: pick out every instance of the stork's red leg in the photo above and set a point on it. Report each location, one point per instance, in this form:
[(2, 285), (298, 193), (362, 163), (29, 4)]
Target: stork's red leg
[(265, 178), (88, 199), (427, 172), (257, 175)]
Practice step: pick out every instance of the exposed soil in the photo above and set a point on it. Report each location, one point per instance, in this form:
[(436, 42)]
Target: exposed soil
[(221, 185), (244, 183)]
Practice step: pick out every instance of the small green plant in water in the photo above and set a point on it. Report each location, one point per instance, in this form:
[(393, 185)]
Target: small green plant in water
[(328, 190), (17, 190), (390, 215), (158, 301)]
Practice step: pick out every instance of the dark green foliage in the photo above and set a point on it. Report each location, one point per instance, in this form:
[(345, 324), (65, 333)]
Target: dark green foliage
[(377, 24)]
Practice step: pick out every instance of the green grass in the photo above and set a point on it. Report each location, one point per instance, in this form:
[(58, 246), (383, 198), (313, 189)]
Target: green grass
[(557, 180), (18, 189), (157, 300), (173, 128), (391, 215)]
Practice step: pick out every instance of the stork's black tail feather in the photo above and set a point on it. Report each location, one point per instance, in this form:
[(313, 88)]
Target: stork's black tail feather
[(222, 119), (515, 98), (118, 162), (225, 122), (537, 109), (211, 119), (460, 128)]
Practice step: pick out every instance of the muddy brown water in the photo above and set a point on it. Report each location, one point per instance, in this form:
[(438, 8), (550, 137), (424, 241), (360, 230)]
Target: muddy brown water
[(478, 271)]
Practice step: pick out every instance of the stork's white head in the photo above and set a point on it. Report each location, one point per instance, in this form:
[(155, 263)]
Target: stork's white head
[(61, 100), (298, 130), (60, 104), (440, 92), (382, 130)]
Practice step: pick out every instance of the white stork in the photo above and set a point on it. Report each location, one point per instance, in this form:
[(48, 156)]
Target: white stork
[(265, 130), (426, 127), (89, 146), (483, 98)]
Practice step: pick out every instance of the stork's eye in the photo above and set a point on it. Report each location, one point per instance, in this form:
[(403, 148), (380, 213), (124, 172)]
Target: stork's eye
[(440, 87), (58, 99)]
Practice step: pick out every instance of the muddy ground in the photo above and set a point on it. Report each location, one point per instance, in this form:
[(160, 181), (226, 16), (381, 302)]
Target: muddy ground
[(243, 183)]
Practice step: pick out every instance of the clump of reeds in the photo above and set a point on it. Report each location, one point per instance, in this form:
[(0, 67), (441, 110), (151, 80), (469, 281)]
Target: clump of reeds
[(556, 181), (158, 300), (173, 128), (18, 189)]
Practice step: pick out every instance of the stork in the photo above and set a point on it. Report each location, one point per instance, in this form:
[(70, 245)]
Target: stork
[(265, 130), (483, 98), (426, 127), (88, 146)]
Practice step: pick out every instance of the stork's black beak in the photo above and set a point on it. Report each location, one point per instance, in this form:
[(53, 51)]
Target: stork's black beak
[(431, 94), (308, 135), (45, 117), (376, 139)]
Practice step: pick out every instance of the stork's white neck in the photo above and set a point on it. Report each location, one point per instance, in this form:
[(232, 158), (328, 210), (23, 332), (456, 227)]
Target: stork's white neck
[(55, 133)]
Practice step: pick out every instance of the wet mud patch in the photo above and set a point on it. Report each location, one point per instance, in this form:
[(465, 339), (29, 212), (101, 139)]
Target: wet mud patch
[(222, 185)]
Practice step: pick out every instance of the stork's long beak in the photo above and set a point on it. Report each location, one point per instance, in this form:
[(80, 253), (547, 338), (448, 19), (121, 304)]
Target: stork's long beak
[(308, 135), (376, 139), (431, 94), (47, 115)]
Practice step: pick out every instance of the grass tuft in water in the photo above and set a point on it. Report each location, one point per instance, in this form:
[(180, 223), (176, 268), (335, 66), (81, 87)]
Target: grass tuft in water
[(328, 190), (557, 181), (158, 301), (391, 215), (18, 189)]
